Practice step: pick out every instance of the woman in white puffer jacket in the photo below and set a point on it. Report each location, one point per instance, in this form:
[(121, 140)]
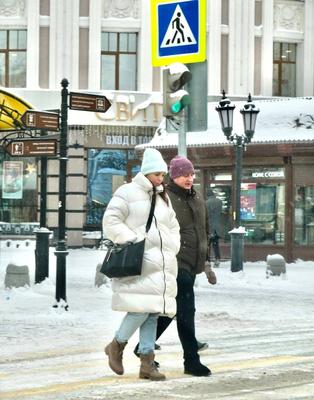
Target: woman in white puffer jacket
[(152, 293)]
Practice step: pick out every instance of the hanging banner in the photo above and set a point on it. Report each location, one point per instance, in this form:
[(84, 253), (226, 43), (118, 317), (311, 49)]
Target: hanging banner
[(12, 180)]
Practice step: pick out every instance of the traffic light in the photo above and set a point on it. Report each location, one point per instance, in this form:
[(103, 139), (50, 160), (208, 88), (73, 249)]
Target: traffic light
[(175, 76)]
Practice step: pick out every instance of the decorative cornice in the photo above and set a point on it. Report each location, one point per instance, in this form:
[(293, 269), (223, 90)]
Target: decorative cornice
[(289, 15), (121, 9), (12, 8)]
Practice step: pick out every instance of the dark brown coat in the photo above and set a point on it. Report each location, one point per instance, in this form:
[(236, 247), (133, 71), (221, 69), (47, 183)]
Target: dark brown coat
[(191, 213)]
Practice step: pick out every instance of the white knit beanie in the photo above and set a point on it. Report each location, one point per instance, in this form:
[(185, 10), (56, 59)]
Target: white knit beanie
[(153, 162)]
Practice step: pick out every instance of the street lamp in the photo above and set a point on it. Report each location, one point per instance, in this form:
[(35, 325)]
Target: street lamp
[(249, 112)]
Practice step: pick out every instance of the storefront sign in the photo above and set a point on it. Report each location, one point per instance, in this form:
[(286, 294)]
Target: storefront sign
[(127, 108), (269, 174), (263, 173), (131, 109), (126, 140)]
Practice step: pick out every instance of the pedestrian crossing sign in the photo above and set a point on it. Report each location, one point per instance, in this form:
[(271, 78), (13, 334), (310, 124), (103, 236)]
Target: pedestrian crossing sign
[(178, 31)]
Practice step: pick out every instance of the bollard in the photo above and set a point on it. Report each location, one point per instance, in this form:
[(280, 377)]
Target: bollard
[(276, 265), (42, 254), (16, 276), (237, 247)]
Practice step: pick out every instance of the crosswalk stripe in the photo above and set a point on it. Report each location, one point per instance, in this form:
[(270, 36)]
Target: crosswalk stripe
[(217, 368)]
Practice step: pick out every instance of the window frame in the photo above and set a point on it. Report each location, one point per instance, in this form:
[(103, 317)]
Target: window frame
[(117, 53), (281, 62), (8, 50)]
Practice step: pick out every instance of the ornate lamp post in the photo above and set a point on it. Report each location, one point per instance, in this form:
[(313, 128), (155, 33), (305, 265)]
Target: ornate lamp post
[(249, 113)]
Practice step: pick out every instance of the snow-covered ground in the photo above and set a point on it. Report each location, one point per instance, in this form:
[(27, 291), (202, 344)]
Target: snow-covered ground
[(260, 334)]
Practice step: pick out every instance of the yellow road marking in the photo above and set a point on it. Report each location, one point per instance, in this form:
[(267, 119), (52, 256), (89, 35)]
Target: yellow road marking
[(50, 354), (171, 374), (258, 362)]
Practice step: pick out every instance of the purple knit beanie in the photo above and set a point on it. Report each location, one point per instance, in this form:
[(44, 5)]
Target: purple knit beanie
[(180, 166)]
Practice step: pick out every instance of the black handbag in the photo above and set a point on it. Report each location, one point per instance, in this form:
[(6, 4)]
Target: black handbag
[(126, 259)]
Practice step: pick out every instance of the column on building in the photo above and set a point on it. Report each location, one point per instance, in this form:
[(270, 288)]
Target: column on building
[(214, 46), (73, 42), (32, 63), (308, 56), (145, 70), (267, 48), (241, 47), (64, 43), (95, 17)]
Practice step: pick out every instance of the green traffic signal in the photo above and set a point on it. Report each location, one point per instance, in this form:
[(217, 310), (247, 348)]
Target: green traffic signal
[(176, 107), (183, 100), (174, 98)]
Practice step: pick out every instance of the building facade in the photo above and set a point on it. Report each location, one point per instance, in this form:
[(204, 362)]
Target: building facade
[(277, 185), (264, 47)]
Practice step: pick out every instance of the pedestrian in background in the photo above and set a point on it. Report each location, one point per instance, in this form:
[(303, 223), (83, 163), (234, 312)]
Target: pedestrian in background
[(192, 215), (143, 297), (214, 206)]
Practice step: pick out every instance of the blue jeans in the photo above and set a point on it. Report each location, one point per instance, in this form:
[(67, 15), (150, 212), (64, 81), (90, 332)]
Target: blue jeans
[(148, 326)]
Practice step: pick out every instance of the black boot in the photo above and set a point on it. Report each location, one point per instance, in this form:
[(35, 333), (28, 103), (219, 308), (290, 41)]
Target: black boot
[(196, 368), (201, 346), (135, 351)]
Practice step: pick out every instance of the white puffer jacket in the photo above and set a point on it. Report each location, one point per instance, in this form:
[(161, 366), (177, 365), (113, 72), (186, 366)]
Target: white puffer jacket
[(125, 218)]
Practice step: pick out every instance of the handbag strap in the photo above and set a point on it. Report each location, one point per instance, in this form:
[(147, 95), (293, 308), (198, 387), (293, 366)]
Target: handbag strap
[(151, 212)]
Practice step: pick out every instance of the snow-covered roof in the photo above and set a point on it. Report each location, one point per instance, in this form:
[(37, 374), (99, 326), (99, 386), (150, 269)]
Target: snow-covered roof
[(286, 120)]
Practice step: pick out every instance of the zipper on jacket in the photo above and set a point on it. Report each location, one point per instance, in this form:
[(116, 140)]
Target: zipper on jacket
[(163, 263), (196, 235)]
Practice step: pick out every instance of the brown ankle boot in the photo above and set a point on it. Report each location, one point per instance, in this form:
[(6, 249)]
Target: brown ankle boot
[(148, 369), (114, 351)]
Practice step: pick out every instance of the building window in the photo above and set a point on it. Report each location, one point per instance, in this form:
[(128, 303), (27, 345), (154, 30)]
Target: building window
[(284, 69), (220, 182), (304, 215), (118, 61), (13, 58), (262, 203), (262, 212)]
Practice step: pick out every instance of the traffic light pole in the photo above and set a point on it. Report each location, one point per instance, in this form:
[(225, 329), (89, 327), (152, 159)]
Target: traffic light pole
[(61, 250), (182, 151), (197, 88), (175, 99)]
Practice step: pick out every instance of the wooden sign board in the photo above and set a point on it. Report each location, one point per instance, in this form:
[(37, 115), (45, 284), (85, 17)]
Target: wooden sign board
[(89, 102), (41, 120), (32, 148)]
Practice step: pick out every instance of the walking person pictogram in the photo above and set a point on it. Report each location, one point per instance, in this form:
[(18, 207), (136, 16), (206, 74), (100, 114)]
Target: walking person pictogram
[(179, 32), (178, 25)]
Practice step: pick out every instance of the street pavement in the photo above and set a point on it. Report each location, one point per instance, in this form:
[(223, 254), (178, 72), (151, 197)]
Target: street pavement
[(264, 364)]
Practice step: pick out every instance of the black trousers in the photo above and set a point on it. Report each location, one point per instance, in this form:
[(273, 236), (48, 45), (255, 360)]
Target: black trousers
[(185, 316), (214, 242)]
